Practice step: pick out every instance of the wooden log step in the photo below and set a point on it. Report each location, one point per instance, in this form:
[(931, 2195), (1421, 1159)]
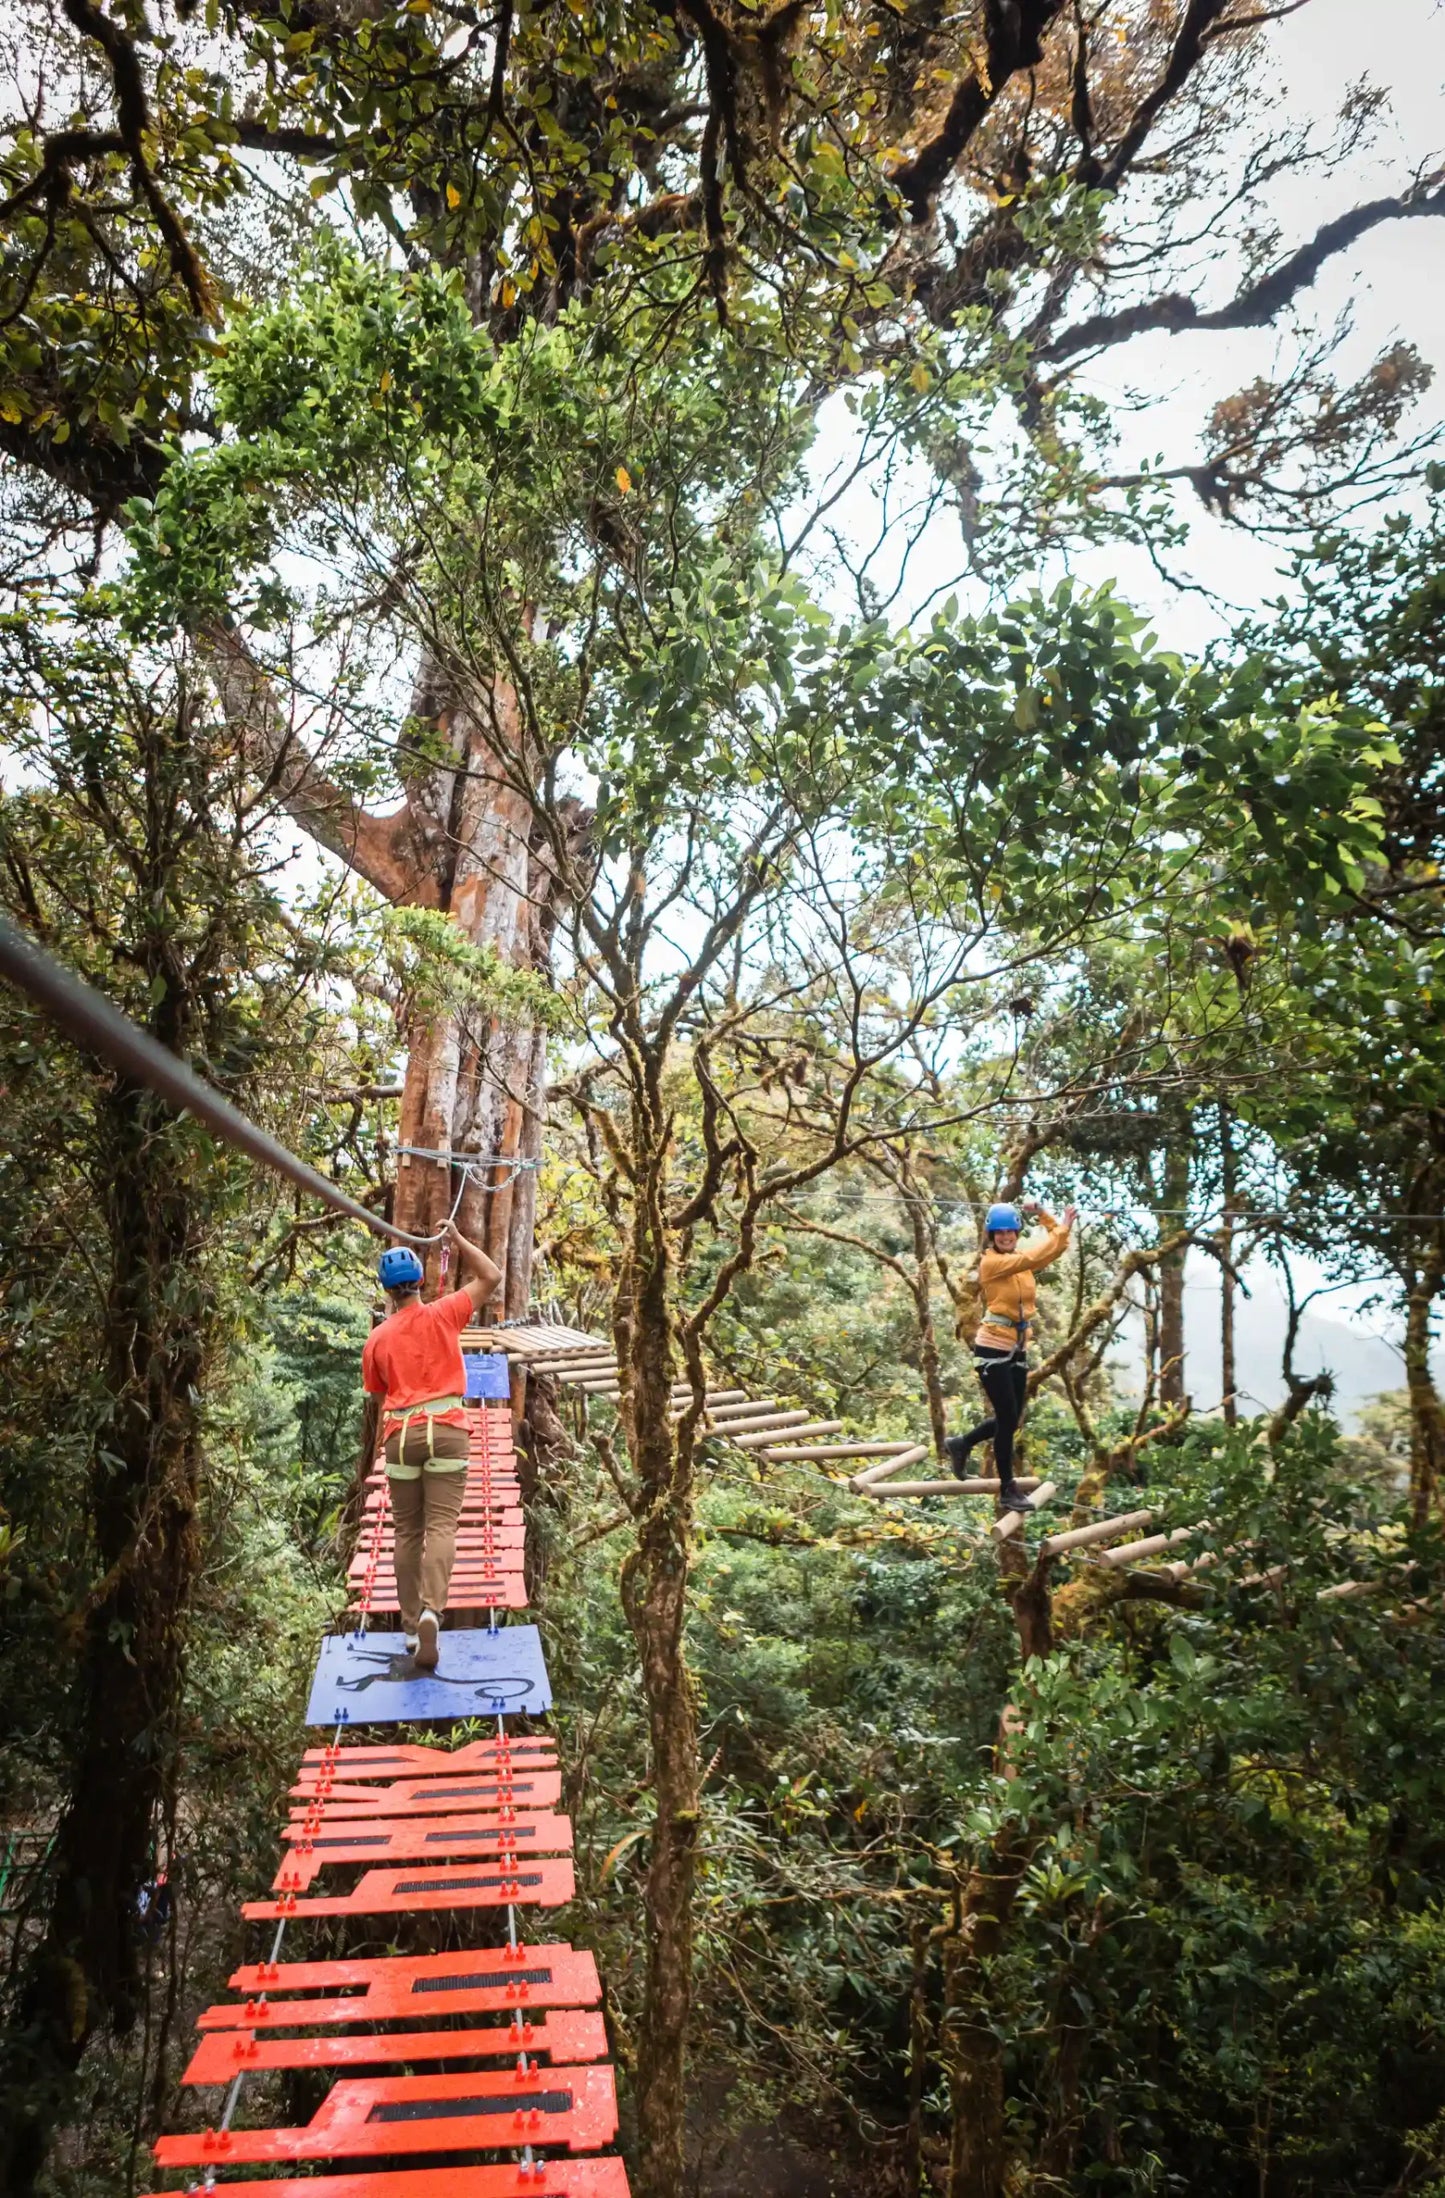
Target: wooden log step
[(1134, 1553), (748, 1407), (1186, 1565), (975, 1485), (893, 1451), (895, 1458), (871, 1482), (711, 1397), (1347, 1590), (1011, 1521), (813, 1427), (1271, 1578), (1098, 1530), (736, 1429)]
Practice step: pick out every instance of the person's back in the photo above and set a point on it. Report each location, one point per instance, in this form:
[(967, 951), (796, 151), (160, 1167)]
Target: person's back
[(415, 1355), (412, 1365)]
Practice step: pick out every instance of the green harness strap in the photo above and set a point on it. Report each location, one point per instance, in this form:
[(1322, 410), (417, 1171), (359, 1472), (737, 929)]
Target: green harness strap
[(427, 1410)]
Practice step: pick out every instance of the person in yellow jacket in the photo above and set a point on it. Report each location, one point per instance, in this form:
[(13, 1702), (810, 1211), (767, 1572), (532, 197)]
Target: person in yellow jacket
[(1000, 1347)]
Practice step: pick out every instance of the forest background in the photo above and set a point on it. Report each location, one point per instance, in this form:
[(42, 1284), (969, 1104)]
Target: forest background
[(559, 605)]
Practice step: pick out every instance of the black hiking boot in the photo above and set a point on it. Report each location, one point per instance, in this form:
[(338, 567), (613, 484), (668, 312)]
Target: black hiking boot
[(1011, 1497), (956, 1449)]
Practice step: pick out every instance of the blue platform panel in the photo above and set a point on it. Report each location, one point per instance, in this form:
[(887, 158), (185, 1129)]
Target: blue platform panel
[(369, 1679), (489, 1375)]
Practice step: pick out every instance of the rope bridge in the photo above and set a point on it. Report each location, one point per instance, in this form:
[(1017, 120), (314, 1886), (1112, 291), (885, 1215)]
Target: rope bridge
[(467, 1835)]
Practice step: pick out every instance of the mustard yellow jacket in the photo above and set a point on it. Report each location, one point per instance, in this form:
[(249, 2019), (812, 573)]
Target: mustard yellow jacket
[(1006, 1280)]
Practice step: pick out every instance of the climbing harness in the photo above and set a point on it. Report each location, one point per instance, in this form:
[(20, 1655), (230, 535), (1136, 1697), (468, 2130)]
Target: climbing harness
[(430, 1410)]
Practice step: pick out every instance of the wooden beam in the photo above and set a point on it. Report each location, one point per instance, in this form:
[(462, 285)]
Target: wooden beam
[(971, 1487), (814, 1427), (747, 1406), (872, 1473), (1271, 1578), (1011, 1521), (893, 1451), (1347, 1590), (1134, 1553), (1098, 1530), (735, 1429), (867, 1482)]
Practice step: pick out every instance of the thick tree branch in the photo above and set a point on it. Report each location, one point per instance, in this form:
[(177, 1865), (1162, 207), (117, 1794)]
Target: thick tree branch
[(1015, 33), (133, 117), (1263, 300), (1184, 56), (376, 848)]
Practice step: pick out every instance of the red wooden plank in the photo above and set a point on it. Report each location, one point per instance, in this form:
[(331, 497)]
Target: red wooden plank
[(465, 1574), (351, 1802), (375, 1759), (405, 1987), (453, 1839), (543, 1884), (507, 1594), (573, 2035), (379, 2115), (543, 2179)]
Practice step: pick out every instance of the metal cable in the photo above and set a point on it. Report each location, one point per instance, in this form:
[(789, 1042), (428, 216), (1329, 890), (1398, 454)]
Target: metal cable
[(96, 1024)]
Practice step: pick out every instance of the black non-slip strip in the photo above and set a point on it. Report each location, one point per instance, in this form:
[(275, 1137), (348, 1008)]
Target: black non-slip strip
[(465, 1884), (441, 1839), (474, 1793), (377, 1839), (449, 2110), (479, 1980)]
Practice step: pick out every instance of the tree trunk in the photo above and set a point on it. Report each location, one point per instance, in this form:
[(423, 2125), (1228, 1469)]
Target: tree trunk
[(1173, 1204), (654, 1597), (977, 2155), (923, 1309), (476, 1082), (1229, 1379), (1427, 1417), (144, 1481)]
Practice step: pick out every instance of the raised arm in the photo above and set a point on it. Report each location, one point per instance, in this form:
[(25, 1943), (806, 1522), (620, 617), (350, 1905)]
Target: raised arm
[(478, 1275), (1040, 1251)]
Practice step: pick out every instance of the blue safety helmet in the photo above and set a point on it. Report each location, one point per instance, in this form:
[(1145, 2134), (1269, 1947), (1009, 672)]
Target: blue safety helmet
[(1002, 1217), (398, 1268)]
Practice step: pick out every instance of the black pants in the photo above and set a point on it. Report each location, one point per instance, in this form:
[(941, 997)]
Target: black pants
[(1005, 1379)]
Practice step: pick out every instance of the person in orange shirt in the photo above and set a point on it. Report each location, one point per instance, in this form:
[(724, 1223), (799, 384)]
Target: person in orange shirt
[(413, 1362), (1000, 1347)]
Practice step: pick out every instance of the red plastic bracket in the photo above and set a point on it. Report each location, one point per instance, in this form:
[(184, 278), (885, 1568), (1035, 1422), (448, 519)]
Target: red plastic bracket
[(542, 2179), (514, 1839), (508, 1593), (532, 1884), (573, 2035), (374, 1759), (379, 2115), (401, 1987), (352, 1803)]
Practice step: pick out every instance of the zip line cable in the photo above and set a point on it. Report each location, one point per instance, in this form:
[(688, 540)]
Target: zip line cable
[(96, 1024)]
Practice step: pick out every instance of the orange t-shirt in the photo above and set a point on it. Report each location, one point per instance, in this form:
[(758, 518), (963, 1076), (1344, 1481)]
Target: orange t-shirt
[(416, 1354)]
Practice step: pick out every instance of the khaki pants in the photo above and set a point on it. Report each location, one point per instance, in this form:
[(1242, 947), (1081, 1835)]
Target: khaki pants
[(426, 1511)]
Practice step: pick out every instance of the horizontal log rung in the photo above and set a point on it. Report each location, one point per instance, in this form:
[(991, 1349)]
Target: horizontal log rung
[(735, 1430), (971, 1487), (1133, 1553), (1011, 1521), (1098, 1530), (812, 1427)]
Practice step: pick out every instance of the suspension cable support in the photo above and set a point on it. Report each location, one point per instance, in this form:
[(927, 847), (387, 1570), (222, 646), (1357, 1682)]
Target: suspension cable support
[(467, 1160), (95, 1023)]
